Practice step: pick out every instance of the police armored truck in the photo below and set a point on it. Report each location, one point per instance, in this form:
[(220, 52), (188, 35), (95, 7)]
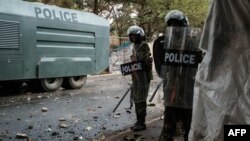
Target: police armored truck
[(50, 46)]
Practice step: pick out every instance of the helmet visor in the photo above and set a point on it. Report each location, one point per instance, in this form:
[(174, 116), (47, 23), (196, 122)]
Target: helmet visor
[(175, 37)]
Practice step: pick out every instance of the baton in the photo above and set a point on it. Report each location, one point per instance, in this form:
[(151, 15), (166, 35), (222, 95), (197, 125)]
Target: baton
[(152, 97), (122, 98)]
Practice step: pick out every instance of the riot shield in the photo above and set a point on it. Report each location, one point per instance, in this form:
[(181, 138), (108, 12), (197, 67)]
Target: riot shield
[(139, 67), (158, 49), (179, 59)]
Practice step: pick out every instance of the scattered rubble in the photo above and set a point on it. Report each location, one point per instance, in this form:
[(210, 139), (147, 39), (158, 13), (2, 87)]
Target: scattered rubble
[(128, 110), (44, 109), (78, 138), (90, 110), (62, 119), (54, 134), (62, 125), (21, 136), (151, 104), (89, 128), (48, 130)]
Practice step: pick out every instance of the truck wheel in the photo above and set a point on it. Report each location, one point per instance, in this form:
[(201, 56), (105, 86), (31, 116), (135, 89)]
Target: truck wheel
[(51, 84), (74, 82)]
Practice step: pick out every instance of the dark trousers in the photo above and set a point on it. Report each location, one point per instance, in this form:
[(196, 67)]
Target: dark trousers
[(172, 116), (141, 111)]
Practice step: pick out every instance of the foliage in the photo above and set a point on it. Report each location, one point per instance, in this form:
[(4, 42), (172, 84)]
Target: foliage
[(150, 15), (196, 10), (61, 3)]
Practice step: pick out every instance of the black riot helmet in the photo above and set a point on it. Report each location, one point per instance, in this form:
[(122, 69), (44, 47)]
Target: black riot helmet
[(176, 18), (136, 34)]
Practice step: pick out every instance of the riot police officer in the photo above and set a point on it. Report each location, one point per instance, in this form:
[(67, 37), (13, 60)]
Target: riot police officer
[(176, 60), (140, 80)]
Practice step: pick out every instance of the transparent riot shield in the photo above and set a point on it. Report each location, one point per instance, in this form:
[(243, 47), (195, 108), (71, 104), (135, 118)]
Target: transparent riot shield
[(136, 70), (158, 54), (181, 57)]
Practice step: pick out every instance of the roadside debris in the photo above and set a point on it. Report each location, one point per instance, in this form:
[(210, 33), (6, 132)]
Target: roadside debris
[(151, 104), (21, 136), (103, 128), (48, 130), (62, 125), (128, 110), (117, 115), (89, 128), (28, 99), (54, 134), (78, 138), (102, 137), (62, 119), (90, 110), (44, 109)]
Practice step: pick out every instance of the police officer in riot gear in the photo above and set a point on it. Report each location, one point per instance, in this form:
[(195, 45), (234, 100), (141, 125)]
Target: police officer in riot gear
[(176, 59), (140, 80)]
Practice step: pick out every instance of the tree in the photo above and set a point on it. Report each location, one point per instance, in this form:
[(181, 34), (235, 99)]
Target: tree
[(60, 3), (196, 10), (150, 15)]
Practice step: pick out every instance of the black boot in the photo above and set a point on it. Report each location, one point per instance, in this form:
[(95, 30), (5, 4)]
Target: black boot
[(140, 109), (139, 127), (140, 124), (134, 125)]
